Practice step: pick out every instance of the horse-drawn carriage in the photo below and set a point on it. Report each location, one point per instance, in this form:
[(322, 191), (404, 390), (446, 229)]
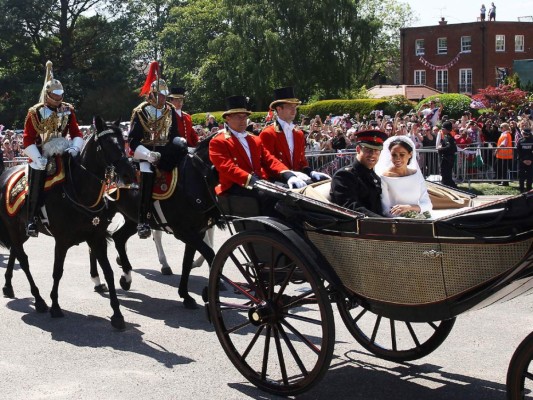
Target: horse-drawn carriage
[(398, 283)]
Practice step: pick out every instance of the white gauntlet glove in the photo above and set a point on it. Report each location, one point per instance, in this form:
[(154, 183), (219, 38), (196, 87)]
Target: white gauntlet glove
[(302, 176), (75, 146), (296, 183), (37, 161), (142, 153), (319, 176)]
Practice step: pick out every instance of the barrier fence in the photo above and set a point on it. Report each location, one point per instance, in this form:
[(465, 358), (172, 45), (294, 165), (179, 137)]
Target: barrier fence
[(472, 164)]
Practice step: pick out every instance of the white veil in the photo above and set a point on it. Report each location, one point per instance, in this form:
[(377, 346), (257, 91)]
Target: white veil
[(385, 160)]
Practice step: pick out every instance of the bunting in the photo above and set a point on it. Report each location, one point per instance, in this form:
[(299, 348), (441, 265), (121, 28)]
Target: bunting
[(438, 67)]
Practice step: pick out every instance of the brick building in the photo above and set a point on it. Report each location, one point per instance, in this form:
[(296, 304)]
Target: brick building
[(462, 58)]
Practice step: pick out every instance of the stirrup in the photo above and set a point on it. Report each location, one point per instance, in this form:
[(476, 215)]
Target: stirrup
[(31, 229), (144, 231)]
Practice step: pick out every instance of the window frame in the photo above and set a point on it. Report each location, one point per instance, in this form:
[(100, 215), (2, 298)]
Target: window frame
[(468, 83), (420, 51), (502, 49), (443, 87), (419, 73), (521, 50), (442, 49), (469, 45)]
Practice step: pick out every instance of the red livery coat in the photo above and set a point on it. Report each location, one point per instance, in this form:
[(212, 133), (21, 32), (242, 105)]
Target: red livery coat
[(275, 142), (233, 165), (185, 129)]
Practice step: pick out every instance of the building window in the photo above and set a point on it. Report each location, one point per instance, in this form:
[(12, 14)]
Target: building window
[(501, 74), (420, 76), (442, 45), (465, 80), (466, 44), (519, 43), (442, 80), (419, 47), (500, 42)]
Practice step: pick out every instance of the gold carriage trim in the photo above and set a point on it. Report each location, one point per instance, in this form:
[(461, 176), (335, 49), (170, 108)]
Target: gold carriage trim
[(405, 275)]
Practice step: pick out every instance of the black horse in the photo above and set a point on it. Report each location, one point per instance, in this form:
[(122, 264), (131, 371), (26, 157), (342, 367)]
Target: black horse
[(187, 214), (76, 211)]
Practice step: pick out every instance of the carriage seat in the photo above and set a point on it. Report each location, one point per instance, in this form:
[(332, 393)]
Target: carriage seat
[(318, 191)]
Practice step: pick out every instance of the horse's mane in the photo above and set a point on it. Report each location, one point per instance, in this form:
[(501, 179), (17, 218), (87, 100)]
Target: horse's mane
[(202, 149)]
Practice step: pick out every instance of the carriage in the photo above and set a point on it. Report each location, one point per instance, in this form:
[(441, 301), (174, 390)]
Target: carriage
[(398, 283)]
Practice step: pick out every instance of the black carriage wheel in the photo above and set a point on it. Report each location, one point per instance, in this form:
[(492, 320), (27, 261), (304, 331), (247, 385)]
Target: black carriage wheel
[(390, 339), (275, 322), (520, 372)]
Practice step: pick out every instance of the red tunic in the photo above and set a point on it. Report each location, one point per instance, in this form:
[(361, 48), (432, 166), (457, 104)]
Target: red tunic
[(275, 142), (185, 129), (233, 165), (39, 130)]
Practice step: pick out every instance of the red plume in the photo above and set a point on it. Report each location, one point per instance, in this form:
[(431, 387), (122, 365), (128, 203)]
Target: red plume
[(153, 74)]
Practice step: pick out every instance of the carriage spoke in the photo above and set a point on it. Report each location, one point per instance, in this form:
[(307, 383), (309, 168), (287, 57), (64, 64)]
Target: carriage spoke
[(376, 328), (236, 286), (433, 325), (265, 353), (285, 282), (393, 334), (413, 334), (295, 300), (302, 318), (529, 375), (233, 307), (293, 351), (237, 327), (252, 343), (280, 358), (306, 341), (359, 316)]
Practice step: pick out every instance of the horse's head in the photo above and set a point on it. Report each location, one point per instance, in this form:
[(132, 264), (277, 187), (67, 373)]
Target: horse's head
[(107, 148), (206, 167)]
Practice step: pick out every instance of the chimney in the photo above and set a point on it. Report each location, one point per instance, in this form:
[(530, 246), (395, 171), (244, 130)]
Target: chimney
[(443, 21)]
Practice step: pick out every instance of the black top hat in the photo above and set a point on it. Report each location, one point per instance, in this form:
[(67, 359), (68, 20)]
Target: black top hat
[(371, 138), (177, 93), (236, 105), (284, 95)]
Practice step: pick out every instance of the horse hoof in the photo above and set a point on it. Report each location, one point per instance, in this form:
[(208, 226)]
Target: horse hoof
[(41, 306), (190, 303), (118, 323), (196, 265), (8, 292), (56, 312), (119, 261), (166, 271), (124, 284), (102, 288)]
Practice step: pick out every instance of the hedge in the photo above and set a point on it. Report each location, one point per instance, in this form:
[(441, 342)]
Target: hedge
[(199, 118), (340, 107)]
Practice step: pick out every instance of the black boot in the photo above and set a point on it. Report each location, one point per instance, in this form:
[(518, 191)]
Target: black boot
[(147, 182), (36, 179)]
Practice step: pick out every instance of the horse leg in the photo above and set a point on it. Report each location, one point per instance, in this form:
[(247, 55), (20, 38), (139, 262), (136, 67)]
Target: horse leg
[(120, 237), (8, 286), (188, 257), (165, 268), (99, 247), (20, 254), (208, 239), (99, 287), (60, 252)]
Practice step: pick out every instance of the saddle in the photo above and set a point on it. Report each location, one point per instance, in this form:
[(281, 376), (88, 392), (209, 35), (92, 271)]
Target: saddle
[(17, 184)]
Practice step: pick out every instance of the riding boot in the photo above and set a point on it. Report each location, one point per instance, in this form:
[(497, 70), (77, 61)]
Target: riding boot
[(143, 227), (36, 179)]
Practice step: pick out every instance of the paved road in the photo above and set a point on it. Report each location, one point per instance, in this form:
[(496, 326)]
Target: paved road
[(168, 352)]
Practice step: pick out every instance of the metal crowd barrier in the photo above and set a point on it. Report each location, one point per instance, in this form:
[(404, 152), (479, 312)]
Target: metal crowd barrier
[(15, 161), (473, 164)]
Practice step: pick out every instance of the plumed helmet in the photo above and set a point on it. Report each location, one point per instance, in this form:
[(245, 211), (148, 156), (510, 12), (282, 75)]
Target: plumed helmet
[(153, 82), (51, 85)]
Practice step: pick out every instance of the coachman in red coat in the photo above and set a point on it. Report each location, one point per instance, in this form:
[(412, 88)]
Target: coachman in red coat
[(185, 130), (284, 140)]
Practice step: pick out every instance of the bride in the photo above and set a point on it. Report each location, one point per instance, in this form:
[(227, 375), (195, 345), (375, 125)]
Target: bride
[(404, 191)]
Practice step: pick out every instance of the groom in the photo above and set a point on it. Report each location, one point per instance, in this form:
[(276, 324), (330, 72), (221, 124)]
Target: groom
[(357, 187)]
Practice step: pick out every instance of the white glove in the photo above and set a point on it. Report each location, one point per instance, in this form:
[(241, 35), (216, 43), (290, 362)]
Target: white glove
[(142, 153), (302, 176), (296, 183), (319, 176), (75, 146), (37, 161)]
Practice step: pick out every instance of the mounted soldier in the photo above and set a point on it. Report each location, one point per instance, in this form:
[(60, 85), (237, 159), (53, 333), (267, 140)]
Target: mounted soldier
[(49, 119), (153, 127)]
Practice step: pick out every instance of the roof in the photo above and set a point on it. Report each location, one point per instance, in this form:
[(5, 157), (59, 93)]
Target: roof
[(412, 92)]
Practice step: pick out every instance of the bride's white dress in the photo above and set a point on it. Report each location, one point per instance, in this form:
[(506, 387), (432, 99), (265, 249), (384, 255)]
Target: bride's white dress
[(410, 189)]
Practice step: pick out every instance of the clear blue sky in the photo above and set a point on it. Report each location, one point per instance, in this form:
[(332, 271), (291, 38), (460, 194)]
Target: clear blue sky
[(461, 11)]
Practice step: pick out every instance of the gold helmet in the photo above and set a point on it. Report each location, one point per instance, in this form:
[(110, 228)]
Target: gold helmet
[(51, 85), (154, 83)]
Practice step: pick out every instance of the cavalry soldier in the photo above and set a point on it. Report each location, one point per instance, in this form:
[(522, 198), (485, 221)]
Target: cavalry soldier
[(49, 119), (240, 158), (185, 129), (283, 140), (153, 126)]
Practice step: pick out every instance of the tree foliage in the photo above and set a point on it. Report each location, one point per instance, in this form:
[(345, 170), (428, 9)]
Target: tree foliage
[(498, 97)]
